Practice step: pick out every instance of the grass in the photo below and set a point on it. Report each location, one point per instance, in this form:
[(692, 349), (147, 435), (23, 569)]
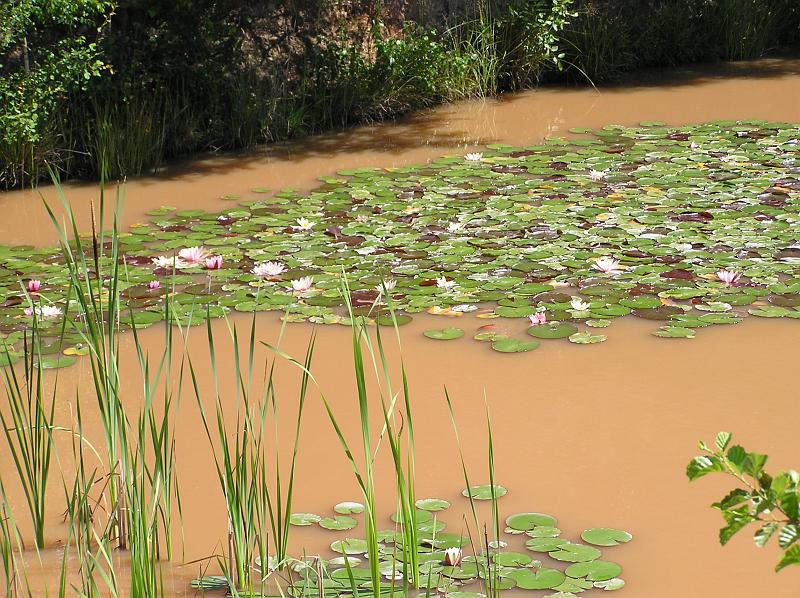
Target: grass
[(258, 506), (29, 429)]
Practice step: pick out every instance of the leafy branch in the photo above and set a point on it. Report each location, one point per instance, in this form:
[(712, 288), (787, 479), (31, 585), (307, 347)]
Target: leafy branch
[(772, 502)]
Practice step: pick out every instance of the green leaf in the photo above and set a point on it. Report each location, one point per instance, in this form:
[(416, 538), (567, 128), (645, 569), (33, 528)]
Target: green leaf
[(703, 465), (788, 535), (722, 440), (737, 519), (790, 557), (764, 533)]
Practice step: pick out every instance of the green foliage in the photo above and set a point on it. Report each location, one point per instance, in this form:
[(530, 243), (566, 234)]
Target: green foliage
[(610, 38), (769, 501), (48, 49)]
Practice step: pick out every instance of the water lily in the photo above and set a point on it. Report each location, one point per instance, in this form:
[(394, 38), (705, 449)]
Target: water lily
[(303, 224), (597, 175), (579, 304), (443, 283), (473, 157), (165, 261), (538, 318), (34, 286), (46, 312), (455, 227), (608, 265), (193, 255), (389, 284), (729, 277), (453, 556), (214, 262), (269, 269), (153, 285), (301, 285)]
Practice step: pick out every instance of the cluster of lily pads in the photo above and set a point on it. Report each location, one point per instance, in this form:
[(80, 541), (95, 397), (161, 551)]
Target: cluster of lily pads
[(689, 226), (449, 563)]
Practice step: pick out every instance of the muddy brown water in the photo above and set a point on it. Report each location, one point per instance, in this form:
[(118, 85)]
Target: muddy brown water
[(595, 435)]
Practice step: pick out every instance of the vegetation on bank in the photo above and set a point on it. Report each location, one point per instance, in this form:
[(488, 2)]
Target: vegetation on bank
[(120, 86)]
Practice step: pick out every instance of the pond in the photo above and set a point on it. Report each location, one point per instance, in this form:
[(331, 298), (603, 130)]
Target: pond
[(597, 435)]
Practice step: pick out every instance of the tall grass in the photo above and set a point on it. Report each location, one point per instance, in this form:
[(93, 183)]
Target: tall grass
[(29, 428), (259, 505), (11, 545), (139, 453)]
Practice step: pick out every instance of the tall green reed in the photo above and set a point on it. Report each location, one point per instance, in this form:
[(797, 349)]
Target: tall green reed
[(139, 453), (29, 426), (369, 357), (259, 505)]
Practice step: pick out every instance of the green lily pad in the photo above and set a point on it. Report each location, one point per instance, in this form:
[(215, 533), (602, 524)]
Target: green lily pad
[(575, 553), (539, 579), (594, 570), (432, 504), (304, 519), (338, 523), (484, 492), (552, 330), (586, 338), (444, 334), (605, 536), (348, 508), (528, 521), (512, 345)]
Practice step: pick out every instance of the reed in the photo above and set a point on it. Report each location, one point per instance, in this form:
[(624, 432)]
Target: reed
[(259, 505), (140, 453), (28, 427), (14, 579)]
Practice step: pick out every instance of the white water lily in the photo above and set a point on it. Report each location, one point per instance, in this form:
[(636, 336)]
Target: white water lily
[(445, 284), (303, 224), (302, 285), (269, 269), (465, 308), (597, 175), (455, 227), (579, 304), (169, 262), (389, 284), (46, 312), (473, 157), (453, 556), (608, 265), (365, 250)]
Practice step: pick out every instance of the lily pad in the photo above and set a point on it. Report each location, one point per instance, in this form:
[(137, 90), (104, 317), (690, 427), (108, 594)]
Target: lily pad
[(485, 492), (605, 536), (444, 334)]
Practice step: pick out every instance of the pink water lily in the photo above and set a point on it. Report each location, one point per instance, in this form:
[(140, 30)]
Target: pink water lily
[(453, 556), (214, 262), (34, 286), (608, 265), (538, 318), (153, 284), (728, 277), (268, 269), (301, 285), (193, 255)]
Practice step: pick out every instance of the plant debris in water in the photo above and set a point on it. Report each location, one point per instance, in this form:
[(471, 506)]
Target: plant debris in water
[(689, 227)]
